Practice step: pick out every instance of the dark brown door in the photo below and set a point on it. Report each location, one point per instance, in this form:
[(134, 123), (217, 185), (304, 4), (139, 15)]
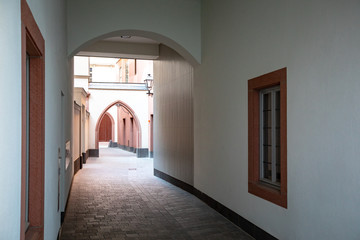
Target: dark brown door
[(105, 129)]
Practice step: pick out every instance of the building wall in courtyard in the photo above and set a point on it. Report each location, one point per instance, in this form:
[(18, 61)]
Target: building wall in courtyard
[(100, 99)]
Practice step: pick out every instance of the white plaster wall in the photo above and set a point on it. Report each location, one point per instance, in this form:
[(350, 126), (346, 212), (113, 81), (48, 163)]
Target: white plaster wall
[(10, 122), (100, 99), (67, 172), (87, 132), (76, 135), (81, 66), (81, 83), (143, 68), (318, 41), (178, 20), (104, 74), (50, 16), (113, 112)]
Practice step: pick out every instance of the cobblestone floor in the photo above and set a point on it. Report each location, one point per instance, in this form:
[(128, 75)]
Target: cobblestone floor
[(116, 196)]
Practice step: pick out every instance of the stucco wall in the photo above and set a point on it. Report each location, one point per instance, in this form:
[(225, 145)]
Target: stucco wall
[(76, 134), (10, 122), (318, 41), (176, 22), (173, 115), (87, 132), (113, 112), (50, 16)]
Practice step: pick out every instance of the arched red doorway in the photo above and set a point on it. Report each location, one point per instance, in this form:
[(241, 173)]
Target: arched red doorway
[(136, 135), (106, 129)]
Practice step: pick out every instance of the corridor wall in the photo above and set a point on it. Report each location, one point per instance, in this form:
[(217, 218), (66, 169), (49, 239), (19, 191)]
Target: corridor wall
[(318, 42), (173, 116), (50, 16), (10, 122), (87, 121), (76, 139)]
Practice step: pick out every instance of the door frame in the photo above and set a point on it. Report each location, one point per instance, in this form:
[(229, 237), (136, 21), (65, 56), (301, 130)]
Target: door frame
[(33, 44)]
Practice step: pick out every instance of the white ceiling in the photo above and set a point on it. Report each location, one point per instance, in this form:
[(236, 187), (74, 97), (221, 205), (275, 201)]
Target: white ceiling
[(118, 47)]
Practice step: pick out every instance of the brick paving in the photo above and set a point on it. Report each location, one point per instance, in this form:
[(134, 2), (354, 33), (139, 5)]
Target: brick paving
[(116, 196)]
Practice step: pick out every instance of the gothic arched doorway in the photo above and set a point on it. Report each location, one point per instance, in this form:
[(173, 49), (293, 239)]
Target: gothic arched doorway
[(106, 128), (129, 129)]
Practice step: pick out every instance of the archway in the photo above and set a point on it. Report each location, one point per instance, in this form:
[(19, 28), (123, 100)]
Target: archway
[(106, 128), (137, 138), (161, 39)]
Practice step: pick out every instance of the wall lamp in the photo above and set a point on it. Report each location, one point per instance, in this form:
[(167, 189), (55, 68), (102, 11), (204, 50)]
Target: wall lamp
[(149, 81)]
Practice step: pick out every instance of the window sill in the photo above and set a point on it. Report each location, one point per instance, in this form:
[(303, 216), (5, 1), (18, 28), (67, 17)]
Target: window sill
[(269, 193)]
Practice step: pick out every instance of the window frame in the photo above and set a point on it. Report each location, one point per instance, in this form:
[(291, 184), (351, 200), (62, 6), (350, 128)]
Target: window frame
[(272, 91), (269, 192)]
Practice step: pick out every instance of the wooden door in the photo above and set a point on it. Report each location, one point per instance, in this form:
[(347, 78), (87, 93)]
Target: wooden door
[(105, 130)]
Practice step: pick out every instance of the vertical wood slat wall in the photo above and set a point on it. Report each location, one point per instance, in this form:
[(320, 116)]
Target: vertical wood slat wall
[(173, 116)]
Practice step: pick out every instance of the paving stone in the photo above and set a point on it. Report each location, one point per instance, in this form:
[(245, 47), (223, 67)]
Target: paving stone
[(117, 197)]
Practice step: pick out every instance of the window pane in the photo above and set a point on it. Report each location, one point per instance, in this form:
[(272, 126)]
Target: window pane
[(267, 118), (267, 162), (267, 110), (278, 175), (267, 137), (277, 110), (267, 101)]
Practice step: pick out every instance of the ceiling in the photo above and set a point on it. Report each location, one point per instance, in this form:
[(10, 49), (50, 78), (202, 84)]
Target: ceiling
[(120, 47), (132, 39)]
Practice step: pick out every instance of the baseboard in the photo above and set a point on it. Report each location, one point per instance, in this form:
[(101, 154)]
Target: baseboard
[(142, 152), (93, 152), (127, 148), (151, 154), (84, 158), (174, 181), (62, 214), (235, 218), (113, 144), (77, 165)]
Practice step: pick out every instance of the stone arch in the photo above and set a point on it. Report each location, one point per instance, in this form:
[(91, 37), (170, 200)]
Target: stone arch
[(129, 109), (146, 34)]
